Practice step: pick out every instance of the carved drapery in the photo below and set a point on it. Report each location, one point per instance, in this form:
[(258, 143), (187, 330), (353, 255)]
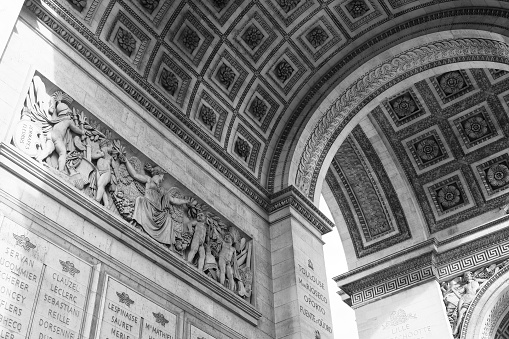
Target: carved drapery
[(57, 132), (459, 294)]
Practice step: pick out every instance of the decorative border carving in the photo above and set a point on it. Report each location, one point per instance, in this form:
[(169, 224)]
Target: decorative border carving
[(351, 100), (253, 189), (294, 198), (400, 229), (391, 280)]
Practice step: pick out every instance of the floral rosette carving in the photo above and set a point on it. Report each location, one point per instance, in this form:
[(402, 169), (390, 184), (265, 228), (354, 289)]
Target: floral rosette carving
[(258, 108), (357, 8), (404, 106), (288, 5), (452, 82), (283, 71), (252, 36), (476, 127), (427, 149), (498, 175), (208, 116), (169, 81), (150, 5), (126, 41), (190, 39), (317, 37), (340, 109), (242, 148), (225, 75), (80, 4), (449, 196)]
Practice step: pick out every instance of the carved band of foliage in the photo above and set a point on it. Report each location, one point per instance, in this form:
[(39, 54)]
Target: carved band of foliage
[(341, 111), (73, 146)]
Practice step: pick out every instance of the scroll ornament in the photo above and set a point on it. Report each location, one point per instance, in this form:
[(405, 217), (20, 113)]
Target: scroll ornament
[(83, 153)]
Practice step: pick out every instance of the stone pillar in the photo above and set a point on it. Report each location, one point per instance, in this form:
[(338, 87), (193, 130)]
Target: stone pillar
[(9, 11), (400, 301), (301, 300)]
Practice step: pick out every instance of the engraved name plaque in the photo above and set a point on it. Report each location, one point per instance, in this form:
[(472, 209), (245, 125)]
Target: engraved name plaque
[(43, 289), (127, 314)]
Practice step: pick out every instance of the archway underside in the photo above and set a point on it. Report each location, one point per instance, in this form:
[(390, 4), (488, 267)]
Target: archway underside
[(430, 157)]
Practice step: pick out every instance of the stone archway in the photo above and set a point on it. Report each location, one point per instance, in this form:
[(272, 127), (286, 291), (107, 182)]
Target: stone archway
[(488, 308), (356, 95)]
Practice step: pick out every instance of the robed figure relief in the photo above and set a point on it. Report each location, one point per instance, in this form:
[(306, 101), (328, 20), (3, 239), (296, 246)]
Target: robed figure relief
[(158, 211), (56, 132)]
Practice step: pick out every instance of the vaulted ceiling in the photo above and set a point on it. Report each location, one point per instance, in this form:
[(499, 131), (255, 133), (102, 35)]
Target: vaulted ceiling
[(238, 81), (435, 154)]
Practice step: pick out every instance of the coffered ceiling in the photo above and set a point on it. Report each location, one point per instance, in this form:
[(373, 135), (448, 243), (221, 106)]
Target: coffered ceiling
[(448, 137), (237, 80)]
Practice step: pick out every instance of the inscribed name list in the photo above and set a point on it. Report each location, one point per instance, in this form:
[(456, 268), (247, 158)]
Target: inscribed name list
[(34, 273), (129, 315)]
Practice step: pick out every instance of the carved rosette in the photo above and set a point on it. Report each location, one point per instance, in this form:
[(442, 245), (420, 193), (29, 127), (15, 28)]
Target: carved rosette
[(404, 105), (476, 127), (428, 149), (498, 175), (258, 108), (288, 5), (357, 8), (149, 5), (283, 71), (242, 148), (451, 82), (252, 36), (169, 81), (126, 41), (225, 75), (208, 116), (189, 39), (312, 156), (79, 4), (317, 37)]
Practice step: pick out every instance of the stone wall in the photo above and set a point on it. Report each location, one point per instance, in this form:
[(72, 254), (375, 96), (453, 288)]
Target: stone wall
[(115, 259)]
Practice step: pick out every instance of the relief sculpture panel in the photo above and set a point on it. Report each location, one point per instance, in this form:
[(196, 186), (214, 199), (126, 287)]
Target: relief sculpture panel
[(458, 293), (70, 143)]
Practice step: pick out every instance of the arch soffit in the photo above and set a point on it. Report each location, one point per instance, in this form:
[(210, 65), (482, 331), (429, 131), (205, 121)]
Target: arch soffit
[(357, 94), (488, 308)]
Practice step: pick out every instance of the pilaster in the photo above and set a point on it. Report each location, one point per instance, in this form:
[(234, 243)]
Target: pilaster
[(301, 300)]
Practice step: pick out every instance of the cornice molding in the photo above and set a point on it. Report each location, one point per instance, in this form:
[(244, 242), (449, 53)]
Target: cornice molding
[(252, 189), (383, 283), (441, 266), (291, 196), (138, 242)]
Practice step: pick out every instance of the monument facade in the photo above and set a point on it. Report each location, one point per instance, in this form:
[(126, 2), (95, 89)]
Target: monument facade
[(161, 164)]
